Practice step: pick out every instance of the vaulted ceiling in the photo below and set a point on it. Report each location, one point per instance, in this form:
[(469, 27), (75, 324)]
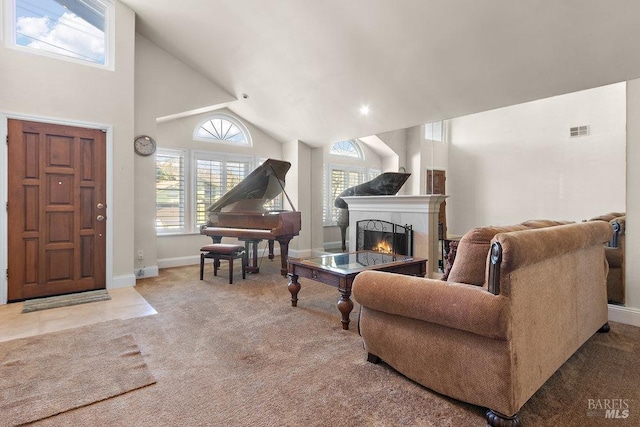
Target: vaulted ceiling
[(308, 66)]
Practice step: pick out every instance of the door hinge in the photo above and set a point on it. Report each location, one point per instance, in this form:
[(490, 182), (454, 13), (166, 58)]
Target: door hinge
[(7, 139), (7, 274)]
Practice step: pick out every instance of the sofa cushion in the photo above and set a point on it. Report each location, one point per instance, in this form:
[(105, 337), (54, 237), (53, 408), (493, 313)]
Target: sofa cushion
[(473, 250), (471, 255)]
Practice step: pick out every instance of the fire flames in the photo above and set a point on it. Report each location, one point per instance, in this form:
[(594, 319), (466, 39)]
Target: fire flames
[(383, 247)]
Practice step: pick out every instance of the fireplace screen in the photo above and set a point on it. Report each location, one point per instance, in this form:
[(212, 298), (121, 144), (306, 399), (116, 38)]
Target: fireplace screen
[(383, 236)]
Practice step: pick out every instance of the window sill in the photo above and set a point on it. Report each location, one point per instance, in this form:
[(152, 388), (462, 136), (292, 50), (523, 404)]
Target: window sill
[(179, 233)]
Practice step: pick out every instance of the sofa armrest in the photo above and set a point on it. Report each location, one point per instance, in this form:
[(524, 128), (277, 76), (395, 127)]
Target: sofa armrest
[(455, 305)]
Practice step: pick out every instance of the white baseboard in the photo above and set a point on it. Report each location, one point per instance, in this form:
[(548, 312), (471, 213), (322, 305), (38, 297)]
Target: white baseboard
[(178, 261), (147, 271), (195, 259), (335, 245), (626, 315), (124, 281), (306, 253)]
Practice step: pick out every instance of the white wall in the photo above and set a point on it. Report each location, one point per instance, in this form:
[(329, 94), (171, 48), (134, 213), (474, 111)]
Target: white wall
[(298, 183), (44, 88), (632, 242), (518, 163)]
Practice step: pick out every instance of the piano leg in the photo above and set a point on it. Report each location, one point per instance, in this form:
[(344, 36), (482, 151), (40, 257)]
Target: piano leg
[(284, 253), (251, 245), (271, 255)]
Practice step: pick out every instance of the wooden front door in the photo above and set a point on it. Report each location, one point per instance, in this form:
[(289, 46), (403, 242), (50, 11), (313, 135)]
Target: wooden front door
[(436, 185), (56, 209)]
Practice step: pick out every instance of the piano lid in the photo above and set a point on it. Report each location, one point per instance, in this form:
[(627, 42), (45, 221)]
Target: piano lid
[(386, 184), (264, 183)]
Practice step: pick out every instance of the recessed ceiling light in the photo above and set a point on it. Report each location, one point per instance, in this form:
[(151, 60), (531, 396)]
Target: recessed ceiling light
[(364, 110)]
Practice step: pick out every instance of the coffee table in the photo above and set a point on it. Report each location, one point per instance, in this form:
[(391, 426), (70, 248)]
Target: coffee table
[(339, 270)]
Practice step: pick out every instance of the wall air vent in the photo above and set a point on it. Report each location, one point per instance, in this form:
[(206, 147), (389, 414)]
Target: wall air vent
[(577, 131)]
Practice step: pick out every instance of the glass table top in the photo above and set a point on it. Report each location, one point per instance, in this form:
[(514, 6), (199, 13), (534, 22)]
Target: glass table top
[(356, 260)]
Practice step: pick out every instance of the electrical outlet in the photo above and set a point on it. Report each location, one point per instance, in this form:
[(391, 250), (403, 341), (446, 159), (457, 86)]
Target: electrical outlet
[(140, 254)]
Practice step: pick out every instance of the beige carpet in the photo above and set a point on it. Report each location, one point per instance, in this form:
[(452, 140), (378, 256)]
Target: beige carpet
[(240, 355), (52, 373)]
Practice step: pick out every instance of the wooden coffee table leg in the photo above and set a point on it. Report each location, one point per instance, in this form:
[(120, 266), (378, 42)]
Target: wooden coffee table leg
[(294, 288), (345, 305)]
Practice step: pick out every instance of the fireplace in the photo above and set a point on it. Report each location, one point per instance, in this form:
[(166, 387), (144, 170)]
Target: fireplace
[(421, 211), (383, 236)]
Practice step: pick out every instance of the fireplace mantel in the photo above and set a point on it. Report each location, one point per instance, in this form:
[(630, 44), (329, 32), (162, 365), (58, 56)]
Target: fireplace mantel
[(417, 204), (419, 211)]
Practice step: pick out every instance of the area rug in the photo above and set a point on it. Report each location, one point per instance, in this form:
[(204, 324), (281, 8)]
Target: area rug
[(65, 300), (53, 373)]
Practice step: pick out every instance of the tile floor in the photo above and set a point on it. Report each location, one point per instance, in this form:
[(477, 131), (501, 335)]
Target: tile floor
[(125, 303)]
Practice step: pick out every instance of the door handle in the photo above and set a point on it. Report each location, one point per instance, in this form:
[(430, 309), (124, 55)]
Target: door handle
[(100, 217)]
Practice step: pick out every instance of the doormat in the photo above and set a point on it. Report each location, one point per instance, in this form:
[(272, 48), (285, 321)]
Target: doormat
[(65, 300)]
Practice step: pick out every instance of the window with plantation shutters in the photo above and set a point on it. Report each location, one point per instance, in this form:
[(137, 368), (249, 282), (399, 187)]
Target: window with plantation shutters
[(209, 186), (341, 179), (170, 191), (187, 183), (215, 176)]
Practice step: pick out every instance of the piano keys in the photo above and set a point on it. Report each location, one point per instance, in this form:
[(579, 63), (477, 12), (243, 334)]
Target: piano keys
[(240, 213)]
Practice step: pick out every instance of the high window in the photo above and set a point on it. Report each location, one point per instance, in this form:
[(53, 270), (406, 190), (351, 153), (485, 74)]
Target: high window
[(222, 128), (78, 30), (434, 131)]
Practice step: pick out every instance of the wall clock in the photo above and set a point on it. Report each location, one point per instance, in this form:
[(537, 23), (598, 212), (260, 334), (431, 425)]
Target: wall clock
[(144, 145)]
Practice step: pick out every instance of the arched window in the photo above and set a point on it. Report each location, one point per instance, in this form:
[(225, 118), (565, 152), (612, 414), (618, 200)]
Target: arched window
[(222, 128), (348, 148)]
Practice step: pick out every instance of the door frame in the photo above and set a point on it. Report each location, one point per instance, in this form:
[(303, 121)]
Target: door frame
[(4, 190)]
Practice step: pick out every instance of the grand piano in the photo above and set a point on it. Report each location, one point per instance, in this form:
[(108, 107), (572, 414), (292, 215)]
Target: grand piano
[(386, 184), (240, 213)]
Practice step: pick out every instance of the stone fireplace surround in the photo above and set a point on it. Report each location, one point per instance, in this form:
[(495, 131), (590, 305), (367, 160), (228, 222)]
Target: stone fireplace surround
[(419, 211)]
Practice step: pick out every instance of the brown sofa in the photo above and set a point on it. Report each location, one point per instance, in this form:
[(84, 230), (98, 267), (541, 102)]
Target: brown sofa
[(491, 343), (614, 253)]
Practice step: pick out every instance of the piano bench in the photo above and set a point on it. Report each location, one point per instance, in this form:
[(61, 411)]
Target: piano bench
[(218, 251)]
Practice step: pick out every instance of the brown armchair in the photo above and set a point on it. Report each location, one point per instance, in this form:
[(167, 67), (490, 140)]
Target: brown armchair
[(492, 344)]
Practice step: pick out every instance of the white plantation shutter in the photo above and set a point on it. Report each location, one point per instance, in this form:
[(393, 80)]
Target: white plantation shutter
[(214, 178), (209, 186), (341, 179), (170, 192)]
